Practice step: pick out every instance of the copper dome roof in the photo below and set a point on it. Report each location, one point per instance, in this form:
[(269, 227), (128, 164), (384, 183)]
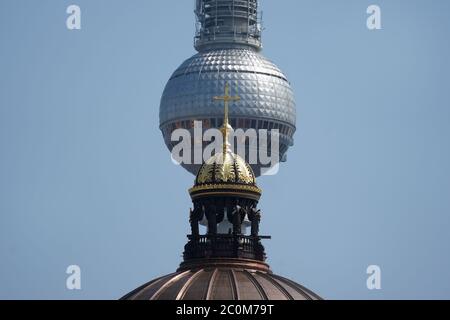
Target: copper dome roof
[(221, 283)]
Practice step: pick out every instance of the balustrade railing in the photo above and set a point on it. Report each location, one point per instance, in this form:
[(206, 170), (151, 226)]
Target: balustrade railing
[(225, 246)]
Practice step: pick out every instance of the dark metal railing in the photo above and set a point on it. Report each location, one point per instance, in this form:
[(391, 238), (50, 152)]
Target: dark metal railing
[(225, 246)]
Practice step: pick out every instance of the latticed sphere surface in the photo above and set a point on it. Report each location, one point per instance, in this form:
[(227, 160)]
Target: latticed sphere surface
[(267, 100), (222, 284)]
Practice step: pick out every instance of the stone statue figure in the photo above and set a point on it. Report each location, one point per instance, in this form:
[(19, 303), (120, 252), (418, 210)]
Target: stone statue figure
[(255, 218), (193, 220), (212, 219), (238, 215), (195, 216)]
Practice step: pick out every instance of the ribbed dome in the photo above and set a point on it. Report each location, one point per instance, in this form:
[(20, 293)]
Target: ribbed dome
[(221, 284), (226, 173), (225, 168)]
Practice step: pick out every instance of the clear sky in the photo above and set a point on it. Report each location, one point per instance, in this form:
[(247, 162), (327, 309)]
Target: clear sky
[(86, 179)]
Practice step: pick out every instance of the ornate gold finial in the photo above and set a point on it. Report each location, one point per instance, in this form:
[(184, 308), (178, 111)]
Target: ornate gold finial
[(226, 125), (226, 174)]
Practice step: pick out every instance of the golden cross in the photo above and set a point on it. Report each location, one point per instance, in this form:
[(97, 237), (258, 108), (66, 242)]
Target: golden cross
[(226, 126), (226, 99)]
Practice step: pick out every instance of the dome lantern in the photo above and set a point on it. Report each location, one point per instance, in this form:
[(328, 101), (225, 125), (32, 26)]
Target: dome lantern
[(226, 262)]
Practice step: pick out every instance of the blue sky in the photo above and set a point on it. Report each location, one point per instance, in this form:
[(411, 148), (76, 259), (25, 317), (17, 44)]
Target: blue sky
[(85, 177)]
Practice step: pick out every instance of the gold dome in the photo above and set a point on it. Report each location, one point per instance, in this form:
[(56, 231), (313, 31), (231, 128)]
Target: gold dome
[(225, 168), (226, 173)]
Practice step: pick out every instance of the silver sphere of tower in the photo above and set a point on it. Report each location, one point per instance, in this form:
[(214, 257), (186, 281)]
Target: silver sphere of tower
[(228, 41)]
